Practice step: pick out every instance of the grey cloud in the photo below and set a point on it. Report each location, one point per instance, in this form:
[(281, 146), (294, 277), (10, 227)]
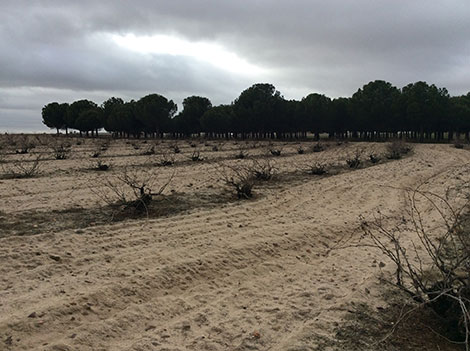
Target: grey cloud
[(330, 47)]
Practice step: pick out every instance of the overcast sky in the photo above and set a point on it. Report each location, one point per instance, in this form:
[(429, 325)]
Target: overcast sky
[(64, 51)]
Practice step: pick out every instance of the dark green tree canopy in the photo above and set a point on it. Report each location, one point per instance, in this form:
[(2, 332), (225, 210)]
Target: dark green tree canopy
[(460, 111), (89, 120), (376, 106), (287, 117), (218, 119), (378, 110), (154, 111), (108, 108), (54, 115), (194, 107), (425, 106), (75, 109), (256, 107), (316, 109), (340, 119), (122, 118)]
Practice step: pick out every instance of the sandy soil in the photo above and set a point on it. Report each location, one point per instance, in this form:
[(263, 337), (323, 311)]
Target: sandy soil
[(235, 275)]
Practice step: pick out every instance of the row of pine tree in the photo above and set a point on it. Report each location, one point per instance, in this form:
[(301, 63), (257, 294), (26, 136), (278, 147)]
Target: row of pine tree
[(377, 111)]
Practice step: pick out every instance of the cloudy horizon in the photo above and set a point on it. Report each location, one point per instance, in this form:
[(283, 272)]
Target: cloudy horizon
[(66, 51)]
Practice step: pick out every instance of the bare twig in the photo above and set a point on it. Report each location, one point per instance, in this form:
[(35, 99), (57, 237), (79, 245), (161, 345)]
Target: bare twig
[(433, 269)]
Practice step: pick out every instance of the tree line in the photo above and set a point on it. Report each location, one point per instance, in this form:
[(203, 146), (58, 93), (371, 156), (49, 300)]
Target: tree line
[(376, 111)]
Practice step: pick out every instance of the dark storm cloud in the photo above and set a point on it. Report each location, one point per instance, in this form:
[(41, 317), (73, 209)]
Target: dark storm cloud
[(53, 50)]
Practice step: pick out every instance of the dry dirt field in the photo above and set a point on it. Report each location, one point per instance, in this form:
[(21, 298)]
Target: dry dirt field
[(203, 270)]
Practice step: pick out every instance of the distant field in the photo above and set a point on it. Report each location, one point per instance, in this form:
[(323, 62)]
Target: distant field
[(197, 268)]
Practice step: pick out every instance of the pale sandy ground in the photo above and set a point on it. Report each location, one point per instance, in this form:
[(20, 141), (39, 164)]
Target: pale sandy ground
[(245, 275)]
